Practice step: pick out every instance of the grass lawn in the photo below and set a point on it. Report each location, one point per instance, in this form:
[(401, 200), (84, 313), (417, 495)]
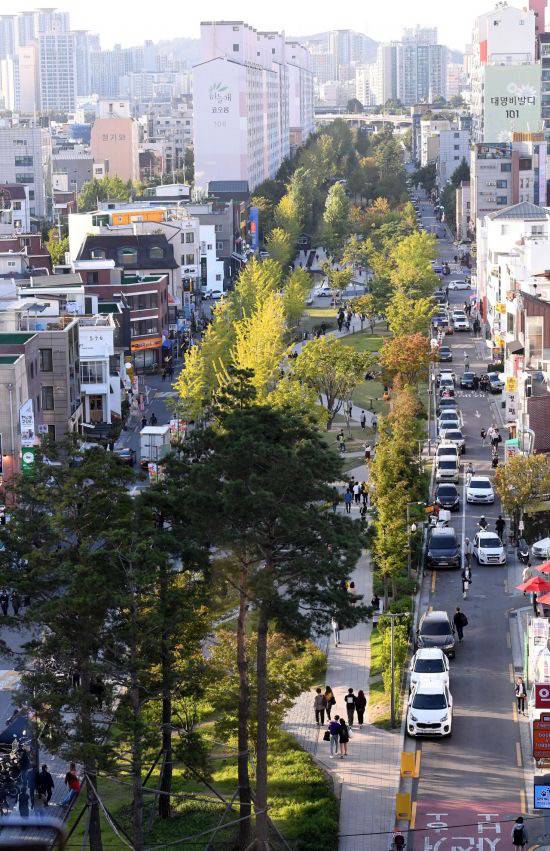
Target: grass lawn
[(363, 341), (314, 316)]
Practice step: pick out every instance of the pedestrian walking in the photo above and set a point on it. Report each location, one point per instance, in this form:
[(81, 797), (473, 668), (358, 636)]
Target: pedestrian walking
[(466, 580), (475, 382), (330, 700), (350, 409), (4, 602), (363, 420), (360, 706), (73, 785), (365, 493), (335, 631), (45, 784), (319, 707), (500, 526), (334, 728), (374, 423), (349, 700), (460, 621), (469, 472), (163, 375), (171, 371), (483, 434), (467, 552), (335, 500), (348, 497), (357, 493), (526, 575), (32, 775), (15, 603), (368, 453), (519, 833), (466, 363), (521, 694), (345, 734)]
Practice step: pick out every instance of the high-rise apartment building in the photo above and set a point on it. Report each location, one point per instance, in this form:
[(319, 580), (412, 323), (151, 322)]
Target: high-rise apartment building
[(26, 159), (300, 98), (421, 72), (8, 38), (242, 105), (85, 45), (386, 72), (419, 35), (57, 71), (505, 76)]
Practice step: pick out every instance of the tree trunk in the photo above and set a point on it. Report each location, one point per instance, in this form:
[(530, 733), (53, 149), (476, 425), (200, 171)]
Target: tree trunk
[(165, 784), (94, 823), (261, 744), (243, 719), (137, 804)]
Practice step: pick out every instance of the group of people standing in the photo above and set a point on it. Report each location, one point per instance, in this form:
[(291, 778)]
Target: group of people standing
[(338, 731), (16, 601)]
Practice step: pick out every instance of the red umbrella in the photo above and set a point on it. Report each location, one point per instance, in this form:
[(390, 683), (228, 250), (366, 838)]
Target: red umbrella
[(545, 599), (544, 567), (536, 585)]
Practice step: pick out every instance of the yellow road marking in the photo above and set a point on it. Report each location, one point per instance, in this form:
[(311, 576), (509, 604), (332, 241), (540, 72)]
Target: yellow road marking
[(413, 816), (417, 763), (509, 640), (515, 711), (434, 574), (518, 754), (523, 803), (511, 673)]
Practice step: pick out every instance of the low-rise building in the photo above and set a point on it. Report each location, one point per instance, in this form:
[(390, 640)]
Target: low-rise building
[(101, 369), (15, 214), (26, 159), (454, 148)]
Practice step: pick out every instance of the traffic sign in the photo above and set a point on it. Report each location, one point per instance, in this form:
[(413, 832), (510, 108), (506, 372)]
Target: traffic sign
[(541, 737), (542, 696), (541, 792)]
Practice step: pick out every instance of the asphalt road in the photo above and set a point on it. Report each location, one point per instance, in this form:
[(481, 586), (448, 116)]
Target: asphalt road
[(472, 782)]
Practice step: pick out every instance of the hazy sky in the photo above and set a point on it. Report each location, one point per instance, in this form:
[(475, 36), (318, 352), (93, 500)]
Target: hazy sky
[(130, 22)]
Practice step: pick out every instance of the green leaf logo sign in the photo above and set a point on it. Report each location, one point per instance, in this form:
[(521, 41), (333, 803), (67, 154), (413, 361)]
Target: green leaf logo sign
[(217, 89)]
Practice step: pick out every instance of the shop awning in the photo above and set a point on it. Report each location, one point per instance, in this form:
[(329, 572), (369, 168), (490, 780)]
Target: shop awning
[(515, 347)]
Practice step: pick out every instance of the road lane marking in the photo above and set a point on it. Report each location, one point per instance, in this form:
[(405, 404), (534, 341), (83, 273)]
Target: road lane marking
[(515, 713), (413, 816), (434, 575), (523, 802), (518, 754), (511, 673), (509, 640)]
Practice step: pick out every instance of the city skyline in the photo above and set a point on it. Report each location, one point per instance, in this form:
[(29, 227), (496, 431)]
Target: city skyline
[(133, 24)]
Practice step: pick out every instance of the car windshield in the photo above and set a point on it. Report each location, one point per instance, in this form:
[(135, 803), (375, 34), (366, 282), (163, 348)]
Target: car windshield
[(490, 541), (429, 666), (433, 627), (447, 463), (429, 701), (477, 484), (468, 376), (442, 542), (447, 490), (453, 435)]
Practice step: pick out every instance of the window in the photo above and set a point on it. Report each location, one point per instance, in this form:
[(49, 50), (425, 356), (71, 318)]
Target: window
[(23, 161), (219, 246), (502, 200), (11, 263), (16, 205), (189, 259), (92, 371), (190, 237), (24, 177), (127, 256), (506, 166), (51, 432), (46, 360), (457, 147), (31, 194), (525, 164), (218, 277), (502, 184), (156, 252), (218, 228), (235, 48), (97, 254), (209, 246), (47, 398)]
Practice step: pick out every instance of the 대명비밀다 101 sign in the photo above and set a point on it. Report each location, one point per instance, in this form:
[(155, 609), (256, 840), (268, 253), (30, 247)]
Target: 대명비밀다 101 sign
[(541, 737), (511, 101)]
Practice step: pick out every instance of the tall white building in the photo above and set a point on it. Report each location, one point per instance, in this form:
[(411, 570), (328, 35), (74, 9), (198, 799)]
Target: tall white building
[(26, 159), (8, 39), (367, 85), (386, 63), (57, 71), (300, 100), (505, 76), (421, 72), (242, 103)]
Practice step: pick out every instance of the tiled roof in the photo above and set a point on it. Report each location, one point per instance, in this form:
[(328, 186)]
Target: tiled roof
[(525, 210)]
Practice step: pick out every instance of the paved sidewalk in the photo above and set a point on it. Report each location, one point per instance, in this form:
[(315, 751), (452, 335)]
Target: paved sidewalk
[(366, 780)]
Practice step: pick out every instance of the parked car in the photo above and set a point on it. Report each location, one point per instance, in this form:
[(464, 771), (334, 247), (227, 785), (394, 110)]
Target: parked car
[(455, 436), (429, 663), (446, 496), (541, 549), (437, 267), (449, 415), (436, 630), (443, 549), (445, 354), (496, 384), (459, 284), (447, 392), (467, 380), (430, 710), (479, 489), (446, 424), (488, 548), (461, 324), (447, 469), (125, 454), (440, 296), (446, 378), (447, 403)]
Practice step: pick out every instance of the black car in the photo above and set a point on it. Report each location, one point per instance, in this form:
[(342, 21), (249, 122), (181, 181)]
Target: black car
[(496, 384), (446, 496), (436, 630), (467, 380), (443, 549), (445, 354), (446, 403)]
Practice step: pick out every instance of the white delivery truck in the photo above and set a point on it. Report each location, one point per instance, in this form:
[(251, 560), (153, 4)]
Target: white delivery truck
[(154, 444)]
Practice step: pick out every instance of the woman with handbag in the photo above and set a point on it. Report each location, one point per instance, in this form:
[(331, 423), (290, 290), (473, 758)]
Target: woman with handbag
[(345, 734), (330, 700)]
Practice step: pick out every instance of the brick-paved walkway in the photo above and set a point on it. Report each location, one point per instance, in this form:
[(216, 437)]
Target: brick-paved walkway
[(366, 780)]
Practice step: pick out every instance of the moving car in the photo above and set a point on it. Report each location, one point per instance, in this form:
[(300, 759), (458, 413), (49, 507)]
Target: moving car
[(430, 710), (461, 324), (496, 384), (447, 469), (488, 548), (436, 630), (480, 489), (457, 284), (446, 496), (429, 664), (445, 354), (454, 436), (443, 549), (467, 380), (541, 549)]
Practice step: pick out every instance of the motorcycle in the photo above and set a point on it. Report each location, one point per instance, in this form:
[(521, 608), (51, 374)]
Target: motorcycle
[(523, 551)]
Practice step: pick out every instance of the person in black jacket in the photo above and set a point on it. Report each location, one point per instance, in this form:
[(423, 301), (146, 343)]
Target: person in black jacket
[(45, 784), (460, 621), (349, 700), (360, 705)]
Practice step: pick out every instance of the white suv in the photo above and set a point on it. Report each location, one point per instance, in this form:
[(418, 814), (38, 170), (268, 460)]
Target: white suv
[(447, 469), (488, 548), (429, 663), (430, 709)]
